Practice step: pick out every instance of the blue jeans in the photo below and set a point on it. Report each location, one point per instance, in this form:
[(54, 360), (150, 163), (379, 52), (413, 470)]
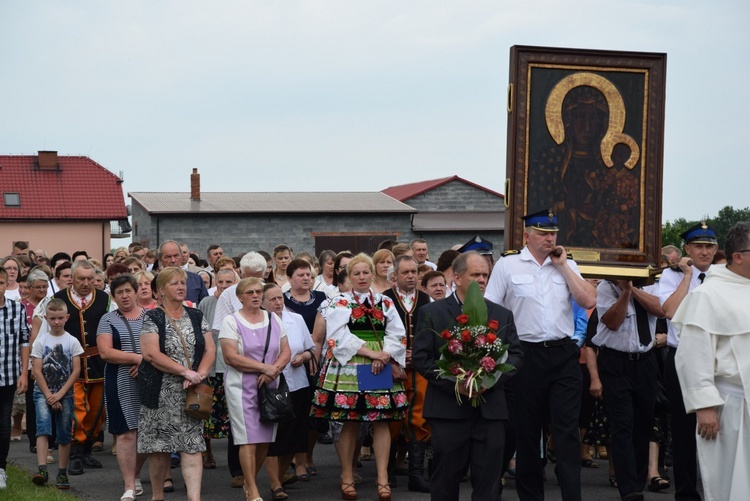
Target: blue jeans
[(63, 418)]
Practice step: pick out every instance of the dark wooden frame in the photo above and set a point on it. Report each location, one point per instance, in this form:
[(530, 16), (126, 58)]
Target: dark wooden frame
[(543, 76)]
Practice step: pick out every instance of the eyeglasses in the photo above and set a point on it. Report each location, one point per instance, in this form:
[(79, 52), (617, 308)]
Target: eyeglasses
[(743, 250), (253, 293)]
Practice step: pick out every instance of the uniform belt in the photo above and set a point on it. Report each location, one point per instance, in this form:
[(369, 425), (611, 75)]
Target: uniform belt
[(624, 354), (548, 344)]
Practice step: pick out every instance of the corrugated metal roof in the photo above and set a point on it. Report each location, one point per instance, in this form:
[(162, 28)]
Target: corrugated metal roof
[(404, 192), (458, 221), (265, 202), (75, 188)]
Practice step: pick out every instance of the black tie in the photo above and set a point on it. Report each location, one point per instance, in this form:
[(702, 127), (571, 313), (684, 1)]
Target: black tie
[(701, 276), (641, 322)]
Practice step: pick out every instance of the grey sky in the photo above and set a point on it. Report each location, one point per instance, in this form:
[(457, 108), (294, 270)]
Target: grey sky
[(347, 95)]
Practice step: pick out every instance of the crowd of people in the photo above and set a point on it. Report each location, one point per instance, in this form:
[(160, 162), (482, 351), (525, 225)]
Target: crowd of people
[(128, 343)]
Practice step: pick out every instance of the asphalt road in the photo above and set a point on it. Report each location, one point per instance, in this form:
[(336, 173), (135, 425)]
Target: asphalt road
[(106, 484)]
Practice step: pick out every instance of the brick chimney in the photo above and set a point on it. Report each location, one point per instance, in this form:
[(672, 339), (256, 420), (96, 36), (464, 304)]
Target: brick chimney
[(195, 186), (47, 160)]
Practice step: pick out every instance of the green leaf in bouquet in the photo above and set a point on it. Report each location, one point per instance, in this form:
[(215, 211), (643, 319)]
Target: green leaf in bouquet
[(474, 305)]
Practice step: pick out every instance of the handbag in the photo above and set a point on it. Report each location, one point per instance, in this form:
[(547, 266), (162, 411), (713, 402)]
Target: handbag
[(200, 397), (275, 403)]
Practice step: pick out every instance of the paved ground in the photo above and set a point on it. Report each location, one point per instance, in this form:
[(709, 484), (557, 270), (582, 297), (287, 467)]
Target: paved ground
[(106, 484)]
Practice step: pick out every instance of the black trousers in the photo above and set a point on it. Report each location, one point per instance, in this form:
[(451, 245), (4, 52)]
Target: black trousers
[(233, 457), (549, 384), (684, 446), (629, 388), (6, 409), (456, 444)]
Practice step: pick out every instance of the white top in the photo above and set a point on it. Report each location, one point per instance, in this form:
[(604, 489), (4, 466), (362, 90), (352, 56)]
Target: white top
[(626, 337), (538, 296), (347, 344), (299, 339), (227, 304), (56, 354), (668, 283)]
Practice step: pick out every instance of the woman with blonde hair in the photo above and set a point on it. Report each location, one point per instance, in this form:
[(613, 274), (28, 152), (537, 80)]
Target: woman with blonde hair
[(364, 333), (178, 351), (256, 351), (383, 260)]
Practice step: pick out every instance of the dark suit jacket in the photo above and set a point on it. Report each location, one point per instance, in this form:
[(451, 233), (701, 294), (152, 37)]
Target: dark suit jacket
[(440, 401), (196, 289)]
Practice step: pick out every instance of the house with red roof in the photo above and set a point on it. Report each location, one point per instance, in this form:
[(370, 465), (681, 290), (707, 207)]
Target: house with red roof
[(60, 203)]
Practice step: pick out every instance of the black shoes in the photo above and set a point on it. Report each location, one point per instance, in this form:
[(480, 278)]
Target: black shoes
[(75, 467)]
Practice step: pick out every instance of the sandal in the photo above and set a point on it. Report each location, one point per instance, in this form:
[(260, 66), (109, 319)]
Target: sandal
[(128, 496), (279, 493), (312, 471), (589, 463), (384, 492), (348, 492), (657, 484), (138, 487), (613, 481), (170, 487)]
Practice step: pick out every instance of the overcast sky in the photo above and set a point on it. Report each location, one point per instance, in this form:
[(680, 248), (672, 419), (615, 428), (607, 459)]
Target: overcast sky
[(348, 95)]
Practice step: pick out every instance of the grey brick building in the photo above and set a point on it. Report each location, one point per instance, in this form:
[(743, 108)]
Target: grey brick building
[(444, 212)]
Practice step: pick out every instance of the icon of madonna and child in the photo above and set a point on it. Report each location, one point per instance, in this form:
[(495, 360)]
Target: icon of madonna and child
[(585, 161)]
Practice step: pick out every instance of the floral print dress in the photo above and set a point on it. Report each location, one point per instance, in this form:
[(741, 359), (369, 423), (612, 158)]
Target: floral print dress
[(351, 323)]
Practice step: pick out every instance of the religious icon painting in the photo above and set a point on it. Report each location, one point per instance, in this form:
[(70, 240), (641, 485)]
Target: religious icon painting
[(585, 141)]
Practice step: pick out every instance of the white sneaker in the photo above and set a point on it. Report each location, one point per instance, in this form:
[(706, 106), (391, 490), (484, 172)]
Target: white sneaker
[(3, 479)]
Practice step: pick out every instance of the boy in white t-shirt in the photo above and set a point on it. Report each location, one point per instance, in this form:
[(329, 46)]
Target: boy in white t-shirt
[(56, 365)]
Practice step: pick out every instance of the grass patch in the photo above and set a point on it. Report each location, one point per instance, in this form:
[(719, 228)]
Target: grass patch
[(21, 488)]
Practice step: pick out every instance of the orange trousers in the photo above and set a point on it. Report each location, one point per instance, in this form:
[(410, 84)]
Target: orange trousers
[(88, 399), (416, 427)]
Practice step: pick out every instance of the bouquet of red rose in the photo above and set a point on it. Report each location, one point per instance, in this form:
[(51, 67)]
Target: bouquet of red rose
[(473, 356)]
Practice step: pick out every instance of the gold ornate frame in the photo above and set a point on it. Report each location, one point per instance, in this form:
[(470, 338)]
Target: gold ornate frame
[(568, 111)]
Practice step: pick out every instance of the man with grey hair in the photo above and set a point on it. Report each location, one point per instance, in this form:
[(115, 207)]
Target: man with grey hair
[(170, 255), (86, 306), (713, 365)]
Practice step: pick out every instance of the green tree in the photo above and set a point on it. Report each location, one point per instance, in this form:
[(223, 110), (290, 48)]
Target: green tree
[(670, 232), (726, 218)]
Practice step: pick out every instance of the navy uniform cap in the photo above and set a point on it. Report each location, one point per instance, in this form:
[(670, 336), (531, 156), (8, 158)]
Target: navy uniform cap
[(699, 234), (544, 220), (478, 244)]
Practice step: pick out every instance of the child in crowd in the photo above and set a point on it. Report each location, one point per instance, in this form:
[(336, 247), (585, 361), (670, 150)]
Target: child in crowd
[(56, 366)]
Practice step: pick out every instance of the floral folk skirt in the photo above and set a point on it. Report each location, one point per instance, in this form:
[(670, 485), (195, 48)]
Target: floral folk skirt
[(217, 426), (337, 396)]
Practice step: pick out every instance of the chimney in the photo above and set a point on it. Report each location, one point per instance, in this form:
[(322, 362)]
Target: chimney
[(195, 186), (47, 160)]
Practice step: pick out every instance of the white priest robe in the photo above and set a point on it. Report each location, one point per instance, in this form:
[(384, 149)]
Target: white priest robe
[(713, 364)]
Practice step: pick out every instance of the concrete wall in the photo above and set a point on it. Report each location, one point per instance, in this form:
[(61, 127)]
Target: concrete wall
[(456, 196), (244, 233), (51, 236)]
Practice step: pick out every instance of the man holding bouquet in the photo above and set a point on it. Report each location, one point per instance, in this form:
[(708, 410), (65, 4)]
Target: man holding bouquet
[(469, 432)]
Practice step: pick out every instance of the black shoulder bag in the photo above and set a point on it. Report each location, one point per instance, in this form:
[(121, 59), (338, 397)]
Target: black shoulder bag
[(275, 403)]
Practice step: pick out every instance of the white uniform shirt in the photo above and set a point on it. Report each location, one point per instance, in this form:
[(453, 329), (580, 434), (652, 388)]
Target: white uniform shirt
[(537, 295), (668, 283), (626, 337)]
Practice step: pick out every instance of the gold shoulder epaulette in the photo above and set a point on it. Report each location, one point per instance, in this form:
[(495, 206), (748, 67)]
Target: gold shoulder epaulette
[(509, 253)]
